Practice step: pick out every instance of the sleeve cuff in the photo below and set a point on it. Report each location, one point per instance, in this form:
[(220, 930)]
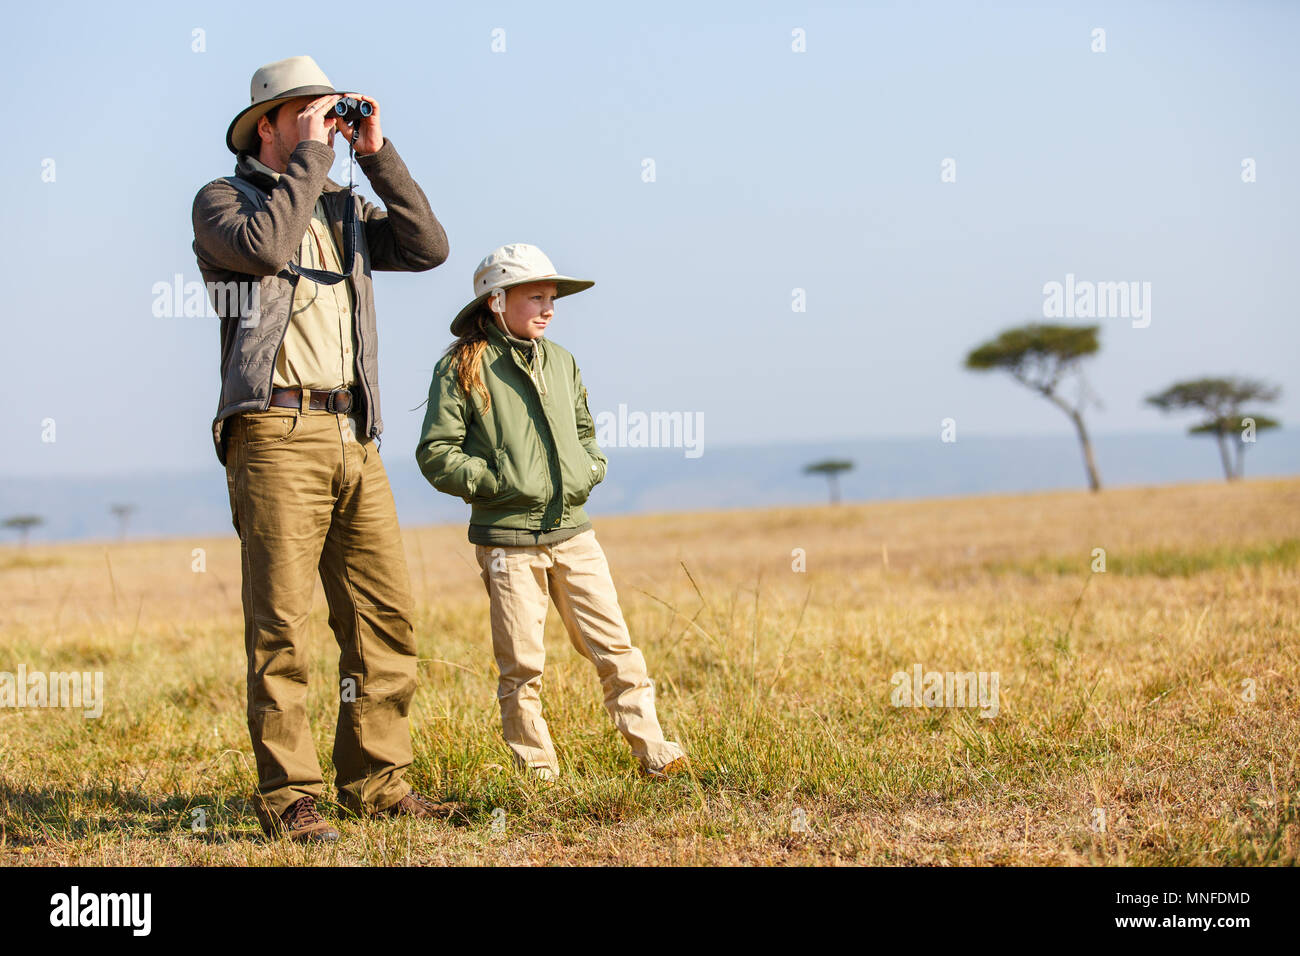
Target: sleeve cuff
[(312, 146), (379, 155)]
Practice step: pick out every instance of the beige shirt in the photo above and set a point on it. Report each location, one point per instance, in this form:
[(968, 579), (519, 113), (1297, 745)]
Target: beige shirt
[(317, 352)]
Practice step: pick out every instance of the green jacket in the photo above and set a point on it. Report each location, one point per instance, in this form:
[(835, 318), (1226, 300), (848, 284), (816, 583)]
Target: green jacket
[(529, 462)]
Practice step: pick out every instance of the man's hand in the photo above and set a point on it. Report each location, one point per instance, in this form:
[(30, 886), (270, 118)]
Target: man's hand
[(371, 137), (316, 120)]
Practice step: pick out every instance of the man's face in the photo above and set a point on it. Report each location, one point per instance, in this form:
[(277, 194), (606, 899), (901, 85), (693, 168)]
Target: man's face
[(529, 308), (284, 131)]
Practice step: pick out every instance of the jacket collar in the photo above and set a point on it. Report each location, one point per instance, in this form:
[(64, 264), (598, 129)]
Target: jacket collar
[(250, 168), (528, 354), (505, 339)]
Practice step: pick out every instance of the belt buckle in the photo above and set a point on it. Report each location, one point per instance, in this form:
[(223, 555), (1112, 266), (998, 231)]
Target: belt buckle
[(331, 400)]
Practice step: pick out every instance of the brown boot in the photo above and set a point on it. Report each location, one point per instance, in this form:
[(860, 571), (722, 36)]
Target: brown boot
[(679, 766), (420, 807), (301, 823)]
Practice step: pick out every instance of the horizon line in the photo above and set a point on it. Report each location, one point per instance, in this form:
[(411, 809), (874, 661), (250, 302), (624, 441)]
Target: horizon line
[(724, 446)]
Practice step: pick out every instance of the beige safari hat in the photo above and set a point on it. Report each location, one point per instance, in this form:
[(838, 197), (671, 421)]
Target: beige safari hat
[(272, 85), (513, 264)]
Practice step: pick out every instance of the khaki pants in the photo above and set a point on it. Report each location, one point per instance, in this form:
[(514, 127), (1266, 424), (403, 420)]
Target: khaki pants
[(575, 575), (308, 499)]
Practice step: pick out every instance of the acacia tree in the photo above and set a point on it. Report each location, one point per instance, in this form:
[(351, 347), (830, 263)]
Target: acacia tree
[(831, 468), (24, 524), (1221, 400), (1040, 357)]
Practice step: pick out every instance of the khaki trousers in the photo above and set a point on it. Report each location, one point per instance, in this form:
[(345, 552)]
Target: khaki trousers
[(306, 499), (575, 576)]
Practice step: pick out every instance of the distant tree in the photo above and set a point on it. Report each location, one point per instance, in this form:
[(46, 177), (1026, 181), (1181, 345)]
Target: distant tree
[(123, 513), (1039, 357), (24, 524), (1235, 431), (1221, 399), (831, 468)]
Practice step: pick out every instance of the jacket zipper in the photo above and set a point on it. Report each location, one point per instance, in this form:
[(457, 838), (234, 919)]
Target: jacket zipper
[(551, 491), (270, 381), (357, 362)]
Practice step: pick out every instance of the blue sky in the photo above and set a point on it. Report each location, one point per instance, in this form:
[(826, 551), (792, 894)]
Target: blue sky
[(775, 170)]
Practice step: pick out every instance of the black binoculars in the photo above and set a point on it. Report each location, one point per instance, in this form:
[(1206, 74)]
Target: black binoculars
[(352, 110)]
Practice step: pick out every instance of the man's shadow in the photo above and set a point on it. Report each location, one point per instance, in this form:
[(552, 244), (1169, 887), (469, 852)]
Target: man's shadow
[(200, 816)]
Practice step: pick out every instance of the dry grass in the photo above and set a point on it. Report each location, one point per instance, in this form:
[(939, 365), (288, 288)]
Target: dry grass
[(1121, 691)]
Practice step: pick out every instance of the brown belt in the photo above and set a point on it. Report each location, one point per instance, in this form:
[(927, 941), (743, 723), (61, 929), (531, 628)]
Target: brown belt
[(340, 400)]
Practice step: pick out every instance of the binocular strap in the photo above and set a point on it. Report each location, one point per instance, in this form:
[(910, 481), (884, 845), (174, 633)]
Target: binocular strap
[(350, 225)]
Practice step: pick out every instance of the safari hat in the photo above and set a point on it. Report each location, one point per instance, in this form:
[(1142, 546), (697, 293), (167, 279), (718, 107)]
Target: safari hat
[(513, 264), (272, 85)]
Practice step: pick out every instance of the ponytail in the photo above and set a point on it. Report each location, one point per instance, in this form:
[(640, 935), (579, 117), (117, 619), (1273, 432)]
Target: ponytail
[(468, 365)]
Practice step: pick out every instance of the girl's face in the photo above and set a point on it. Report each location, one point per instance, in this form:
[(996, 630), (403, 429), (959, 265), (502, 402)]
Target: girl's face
[(529, 309)]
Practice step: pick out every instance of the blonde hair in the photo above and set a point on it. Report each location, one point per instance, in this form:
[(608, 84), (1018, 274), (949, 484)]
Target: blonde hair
[(468, 364)]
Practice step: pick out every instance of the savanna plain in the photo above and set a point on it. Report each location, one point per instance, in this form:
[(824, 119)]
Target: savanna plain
[(1144, 641)]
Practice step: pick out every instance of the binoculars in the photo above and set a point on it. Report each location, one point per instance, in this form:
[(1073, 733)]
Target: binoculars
[(352, 110)]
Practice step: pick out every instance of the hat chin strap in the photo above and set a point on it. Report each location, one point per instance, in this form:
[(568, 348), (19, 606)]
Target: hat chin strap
[(499, 295)]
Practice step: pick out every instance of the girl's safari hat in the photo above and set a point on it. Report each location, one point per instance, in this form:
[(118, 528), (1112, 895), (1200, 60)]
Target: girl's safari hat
[(272, 85), (513, 264)]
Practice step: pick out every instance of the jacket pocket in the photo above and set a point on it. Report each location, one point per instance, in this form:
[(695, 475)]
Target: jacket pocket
[(515, 487), (489, 484), (578, 496)]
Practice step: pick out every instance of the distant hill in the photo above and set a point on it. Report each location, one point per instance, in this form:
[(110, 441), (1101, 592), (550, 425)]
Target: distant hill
[(650, 480)]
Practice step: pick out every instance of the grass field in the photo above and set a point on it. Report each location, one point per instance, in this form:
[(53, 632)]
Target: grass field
[(1146, 715)]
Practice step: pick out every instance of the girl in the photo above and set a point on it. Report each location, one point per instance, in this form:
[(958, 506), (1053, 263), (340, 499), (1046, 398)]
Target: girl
[(508, 430)]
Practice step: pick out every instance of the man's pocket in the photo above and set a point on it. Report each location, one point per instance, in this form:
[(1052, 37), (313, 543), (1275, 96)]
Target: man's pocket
[(275, 426), (234, 505), (231, 437)]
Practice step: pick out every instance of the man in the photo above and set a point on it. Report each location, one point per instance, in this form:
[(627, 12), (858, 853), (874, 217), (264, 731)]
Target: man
[(297, 428)]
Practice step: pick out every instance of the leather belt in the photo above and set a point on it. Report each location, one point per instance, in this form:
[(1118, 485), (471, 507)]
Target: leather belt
[(340, 400)]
